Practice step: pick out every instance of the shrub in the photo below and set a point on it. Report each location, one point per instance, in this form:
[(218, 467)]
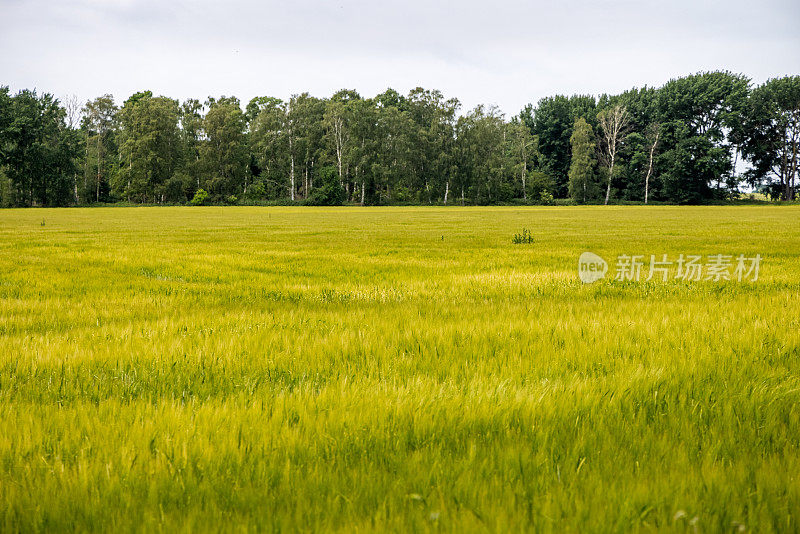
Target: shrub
[(565, 202), (505, 192), (402, 194), (256, 191), (175, 187), (329, 191), (525, 238), (539, 182), (200, 198)]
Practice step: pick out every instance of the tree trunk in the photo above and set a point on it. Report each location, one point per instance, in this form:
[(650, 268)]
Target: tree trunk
[(446, 191), (613, 122), (524, 189), (339, 160), (338, 126), (86, 171), (291, 148), (610, 174), (291, 179), (363, 191), (650, 168), (793, 168), (291, 171)]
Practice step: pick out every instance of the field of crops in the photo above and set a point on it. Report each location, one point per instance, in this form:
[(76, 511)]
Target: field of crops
[(346, 369)]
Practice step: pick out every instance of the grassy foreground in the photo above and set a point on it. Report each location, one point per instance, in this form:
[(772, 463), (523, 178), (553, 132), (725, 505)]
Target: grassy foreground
[(274, 369)]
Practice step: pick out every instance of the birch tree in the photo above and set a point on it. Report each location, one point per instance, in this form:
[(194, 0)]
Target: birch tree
[(99, 122), (336, 121), (289, 118), (613, 123), (524, 146), (653, 134), (268, 141)]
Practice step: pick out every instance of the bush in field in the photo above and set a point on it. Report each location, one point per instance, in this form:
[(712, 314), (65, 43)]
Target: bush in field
[(177, 188), (256, 191), (505, 192), (539, 183), (200, 198), (327, 190), (546, 198), (525, 238), (402, 194)]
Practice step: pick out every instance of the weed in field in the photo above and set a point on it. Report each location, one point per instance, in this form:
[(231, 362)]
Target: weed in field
[(525, 238)]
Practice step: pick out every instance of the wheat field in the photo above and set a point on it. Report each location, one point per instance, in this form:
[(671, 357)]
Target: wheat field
[(245, 369)]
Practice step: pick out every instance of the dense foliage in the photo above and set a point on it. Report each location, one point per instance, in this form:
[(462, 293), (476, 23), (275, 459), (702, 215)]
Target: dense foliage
[(682, 143)]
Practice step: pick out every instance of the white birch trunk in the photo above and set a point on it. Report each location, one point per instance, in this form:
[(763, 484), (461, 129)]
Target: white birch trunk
[(650, 168), (291, 173), (610, 174)]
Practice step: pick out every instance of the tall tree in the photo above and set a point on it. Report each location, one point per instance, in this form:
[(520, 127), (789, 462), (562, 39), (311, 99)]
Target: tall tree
[(268, 143), (483, 159), (338, 119), (631, 163), (6, 187), (613, 123), (653, 135), (224, 154), (190, 117), (303, 116), (582, 186), (38, 149), (700, 115), (772, 133), (552, 121), (99, 124), (392, 166), (524, 149), (149, 147)]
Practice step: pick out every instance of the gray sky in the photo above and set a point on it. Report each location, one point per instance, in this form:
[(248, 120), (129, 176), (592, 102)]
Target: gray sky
[(499, 52)]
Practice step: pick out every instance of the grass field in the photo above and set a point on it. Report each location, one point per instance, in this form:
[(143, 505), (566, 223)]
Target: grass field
[(402, 369)]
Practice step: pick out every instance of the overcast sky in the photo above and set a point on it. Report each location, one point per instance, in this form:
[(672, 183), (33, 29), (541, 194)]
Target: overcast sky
[(499, 52)]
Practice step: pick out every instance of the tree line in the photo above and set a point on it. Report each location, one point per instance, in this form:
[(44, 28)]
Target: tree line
[(683, 142)]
